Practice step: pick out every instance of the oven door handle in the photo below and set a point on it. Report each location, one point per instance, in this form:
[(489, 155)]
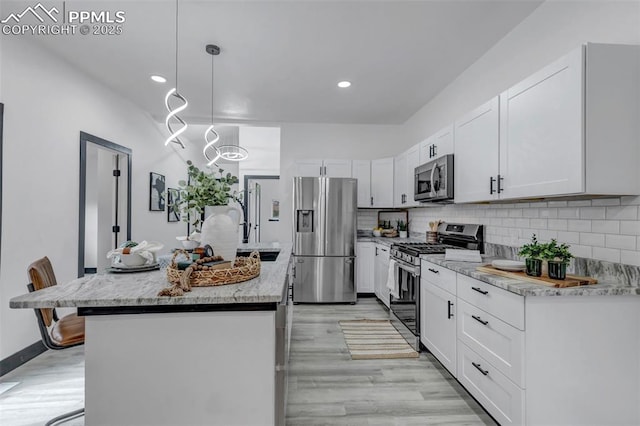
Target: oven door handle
[(412, 269)]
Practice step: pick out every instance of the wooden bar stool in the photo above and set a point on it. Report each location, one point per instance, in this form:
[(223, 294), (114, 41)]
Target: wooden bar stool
[(57, 333)]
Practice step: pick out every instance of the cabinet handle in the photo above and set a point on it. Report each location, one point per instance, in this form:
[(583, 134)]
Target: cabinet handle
[(325, 170), (449, 313), (479, 290), (430, 151), (491, 182), (435, 150), (376, 251), (484, 372), (320, 170), (433, 270), (371, 200), (480, 320), (500, 179)]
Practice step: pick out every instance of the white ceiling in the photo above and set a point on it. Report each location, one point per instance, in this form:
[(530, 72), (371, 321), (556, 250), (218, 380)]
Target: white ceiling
[(281, 60)]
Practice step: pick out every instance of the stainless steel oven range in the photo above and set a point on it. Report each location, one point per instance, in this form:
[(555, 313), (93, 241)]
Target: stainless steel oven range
[(405, 308)]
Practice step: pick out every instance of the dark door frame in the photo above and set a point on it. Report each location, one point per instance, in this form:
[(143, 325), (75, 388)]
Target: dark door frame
[(245, 208), (84, 139)]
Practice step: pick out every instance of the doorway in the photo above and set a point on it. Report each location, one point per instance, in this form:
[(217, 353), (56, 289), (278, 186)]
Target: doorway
[(105, 201), (262, 209)]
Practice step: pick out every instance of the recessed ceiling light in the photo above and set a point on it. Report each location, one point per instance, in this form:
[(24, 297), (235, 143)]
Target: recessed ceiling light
[(158, 79), (344, 84)]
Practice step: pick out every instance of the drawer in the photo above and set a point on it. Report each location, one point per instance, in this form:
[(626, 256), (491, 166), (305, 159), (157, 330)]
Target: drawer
[(496, 341), (507, 306), (439, 275), (502, 398)]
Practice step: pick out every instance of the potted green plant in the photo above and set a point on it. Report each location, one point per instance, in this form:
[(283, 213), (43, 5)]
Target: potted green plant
[(557, 257), (203, 190), (532, 254), (403, 228)]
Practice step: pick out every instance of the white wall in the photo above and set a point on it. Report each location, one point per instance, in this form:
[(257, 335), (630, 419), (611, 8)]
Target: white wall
[(328, 141), (47, 104), (604, 229)]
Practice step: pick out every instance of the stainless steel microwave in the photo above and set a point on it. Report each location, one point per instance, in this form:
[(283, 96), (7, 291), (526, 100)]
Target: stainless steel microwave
[(434, 180)]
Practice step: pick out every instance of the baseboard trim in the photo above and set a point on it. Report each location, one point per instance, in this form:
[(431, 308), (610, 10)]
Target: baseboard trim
[(14, 361)]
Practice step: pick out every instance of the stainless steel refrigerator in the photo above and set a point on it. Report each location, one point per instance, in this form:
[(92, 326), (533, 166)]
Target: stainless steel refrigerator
[(324, 239)]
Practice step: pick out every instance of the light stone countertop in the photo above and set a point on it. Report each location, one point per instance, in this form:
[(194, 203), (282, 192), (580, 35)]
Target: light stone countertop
[(388, 241), (141, 289), (526, 288)]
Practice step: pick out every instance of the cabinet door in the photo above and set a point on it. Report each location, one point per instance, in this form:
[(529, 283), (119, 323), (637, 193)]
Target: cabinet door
[(399, 180), (477, 154), (381, 273), (442, 142), (425, 150), (541, 134), (337, 168), (365, 271), (413, 161), (438, 324), (382, 182), (312, 168), (361, 170)]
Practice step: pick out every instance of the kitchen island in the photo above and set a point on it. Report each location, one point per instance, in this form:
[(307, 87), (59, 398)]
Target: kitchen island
[(216, 355)]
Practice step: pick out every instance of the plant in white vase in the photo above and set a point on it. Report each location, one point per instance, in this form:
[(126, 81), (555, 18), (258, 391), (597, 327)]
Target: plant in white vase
[(208, 202)]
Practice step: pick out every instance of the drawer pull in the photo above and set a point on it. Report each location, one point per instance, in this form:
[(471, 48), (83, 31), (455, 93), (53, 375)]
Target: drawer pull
[(480, 320), (449, 313), (484, 372), (433, 270), (479, 290)]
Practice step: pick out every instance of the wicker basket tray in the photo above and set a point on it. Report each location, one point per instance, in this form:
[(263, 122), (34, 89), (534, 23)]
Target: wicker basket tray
[(244, 269)]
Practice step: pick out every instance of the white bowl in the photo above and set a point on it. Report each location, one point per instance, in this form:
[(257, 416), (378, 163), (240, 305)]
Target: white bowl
[(132, 259), (377, 233), (190, 244), (509, 265)]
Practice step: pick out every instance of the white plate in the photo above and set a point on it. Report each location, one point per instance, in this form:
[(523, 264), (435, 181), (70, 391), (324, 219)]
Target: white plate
[(509, 265), (124, 267)]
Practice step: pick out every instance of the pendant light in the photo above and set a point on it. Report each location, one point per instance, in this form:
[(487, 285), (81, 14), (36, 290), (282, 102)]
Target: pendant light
[(172, 121), (210, 151)]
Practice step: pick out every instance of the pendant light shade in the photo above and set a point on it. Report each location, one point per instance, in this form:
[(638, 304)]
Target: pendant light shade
[(175, 125), (233, 152)]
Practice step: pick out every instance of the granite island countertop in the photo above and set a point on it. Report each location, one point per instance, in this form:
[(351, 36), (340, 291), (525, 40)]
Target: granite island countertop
[(141, 289), (526, 288)]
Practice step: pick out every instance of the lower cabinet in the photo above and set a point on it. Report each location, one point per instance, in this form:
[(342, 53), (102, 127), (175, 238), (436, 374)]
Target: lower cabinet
[(365, 267), (438, 325), (381, 273)]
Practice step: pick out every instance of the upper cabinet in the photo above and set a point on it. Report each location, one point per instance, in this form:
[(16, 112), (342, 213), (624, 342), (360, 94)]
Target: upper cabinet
[(569, 129), (329, 168), (477, 154), (382, 182), (437, 145), (404, 176), (361, 170)]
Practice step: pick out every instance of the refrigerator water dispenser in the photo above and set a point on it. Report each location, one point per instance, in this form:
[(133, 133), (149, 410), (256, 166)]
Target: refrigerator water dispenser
[(304, 221)]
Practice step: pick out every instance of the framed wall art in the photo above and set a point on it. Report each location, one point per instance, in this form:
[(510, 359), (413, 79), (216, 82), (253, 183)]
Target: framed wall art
[(173, 197), (156, 192)]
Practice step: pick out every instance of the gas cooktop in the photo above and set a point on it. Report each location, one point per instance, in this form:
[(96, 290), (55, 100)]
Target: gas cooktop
[(416, 249)]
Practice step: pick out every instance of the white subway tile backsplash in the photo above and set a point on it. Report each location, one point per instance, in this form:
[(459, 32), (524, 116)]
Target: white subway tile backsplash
[(557, 204), (626, 242), (630, 200), (622, 213), (538, 204), (592, 212), (630, 257), (546, 236), (589, 239), (569, 237), (568, 213), (509, 222), (515, 213), (607, 254), (579, 225), (582, 251), (538, 223), (605, 202), (502, 213), (579, 203), (549, 213), (630, 227), (523, 223), (557, 224), (531, 213), (606, 226)]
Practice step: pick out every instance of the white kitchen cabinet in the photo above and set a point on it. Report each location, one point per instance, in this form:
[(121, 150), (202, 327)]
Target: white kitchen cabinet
[(403, 177), (438, 323), (569, 129), (361, 170), (477, 154), (413, 161), (439, 144), (329, 168), (381, 273), (382, 182), (365, 278)]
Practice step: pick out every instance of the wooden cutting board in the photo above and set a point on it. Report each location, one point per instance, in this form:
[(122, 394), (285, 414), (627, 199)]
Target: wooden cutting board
[(570, 281)]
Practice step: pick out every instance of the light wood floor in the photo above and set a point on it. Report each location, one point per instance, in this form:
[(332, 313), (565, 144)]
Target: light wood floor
[(326, 387)]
